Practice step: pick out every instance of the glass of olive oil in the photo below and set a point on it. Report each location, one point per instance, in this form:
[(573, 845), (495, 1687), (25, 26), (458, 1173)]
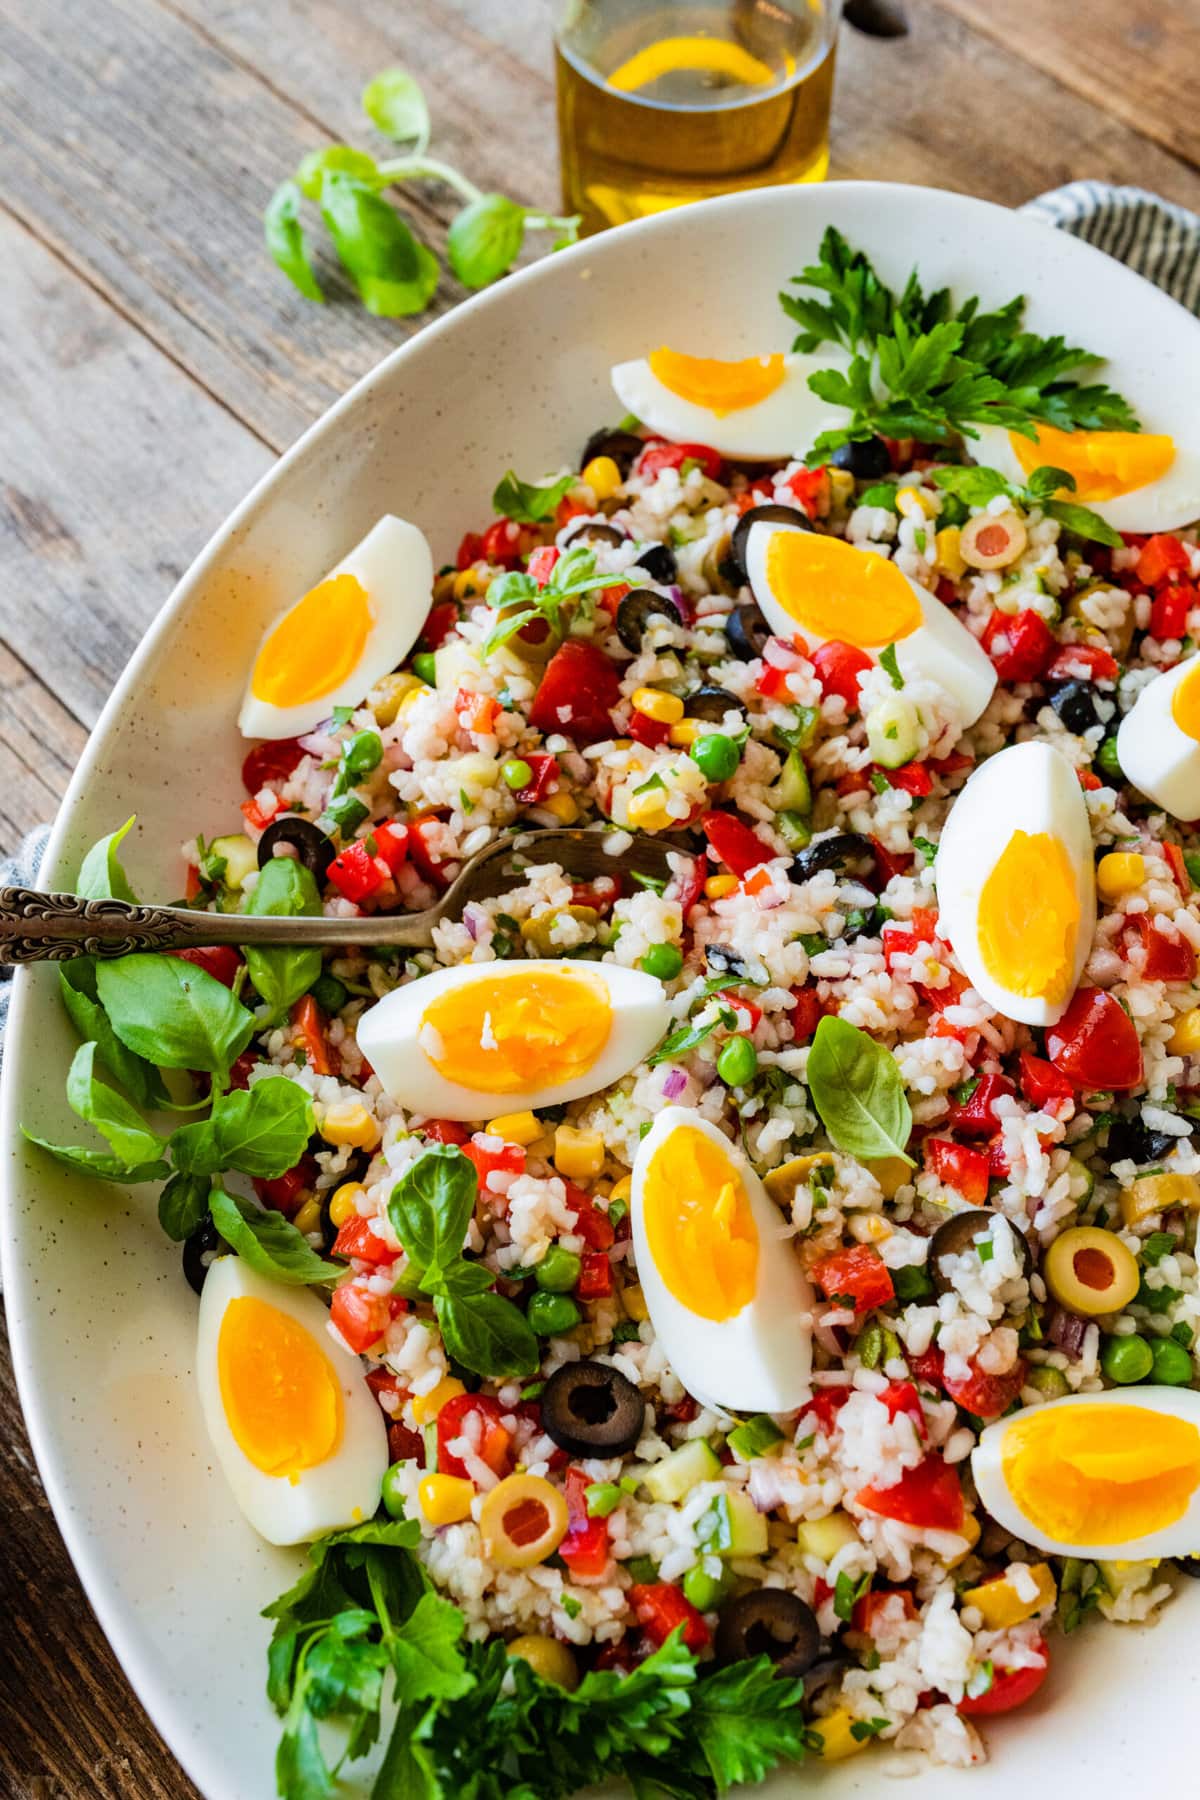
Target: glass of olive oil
[(665, 101)]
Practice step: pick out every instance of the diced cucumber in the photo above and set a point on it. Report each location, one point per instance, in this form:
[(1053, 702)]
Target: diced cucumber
[(733, 1526), (1076, 1169), (706, 1591), (793, 829), (825, 1537), (241, 858), (684, 1469), (892, 731), (792, 792)]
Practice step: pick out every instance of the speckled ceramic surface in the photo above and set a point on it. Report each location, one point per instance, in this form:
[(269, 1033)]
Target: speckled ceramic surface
[(101, 1319)]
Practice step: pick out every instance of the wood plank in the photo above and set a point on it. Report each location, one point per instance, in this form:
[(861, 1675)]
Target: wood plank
[(1125, 56), (40, 743), (116, 469)]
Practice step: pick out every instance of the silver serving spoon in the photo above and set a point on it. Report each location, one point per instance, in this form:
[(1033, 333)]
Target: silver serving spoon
[(36, 927)]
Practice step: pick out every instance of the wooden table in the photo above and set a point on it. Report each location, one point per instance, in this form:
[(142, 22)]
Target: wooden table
[(152, 363)]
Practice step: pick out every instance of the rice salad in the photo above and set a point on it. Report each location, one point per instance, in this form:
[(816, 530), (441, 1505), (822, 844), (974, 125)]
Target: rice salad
[(842, 1340)]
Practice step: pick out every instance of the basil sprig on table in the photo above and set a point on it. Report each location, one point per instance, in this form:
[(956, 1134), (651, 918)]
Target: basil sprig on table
[(857, 1091), (431, 1209)]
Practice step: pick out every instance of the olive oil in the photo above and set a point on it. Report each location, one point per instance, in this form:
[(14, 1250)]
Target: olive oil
[(663, 103)]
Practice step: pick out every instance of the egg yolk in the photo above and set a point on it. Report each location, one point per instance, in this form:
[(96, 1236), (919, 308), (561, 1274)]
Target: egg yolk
[(281, 1397), (1097, 1475), (1028, 918), (316, 645), (835, 591), (511, 1034), (1104, 463), (1185, 703), (700, 1229), (719, 387)]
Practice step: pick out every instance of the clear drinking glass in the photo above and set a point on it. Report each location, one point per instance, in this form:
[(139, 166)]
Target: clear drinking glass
[(665, 101)]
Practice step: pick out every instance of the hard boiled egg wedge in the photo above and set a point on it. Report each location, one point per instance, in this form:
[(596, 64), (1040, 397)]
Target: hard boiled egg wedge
[(729, 1302), (332, 645), (759, 407), (826, 588), (1136, 480), (1114, 1476), (487, 1038), (296, 1430), (1158, 743), (1016, 885)]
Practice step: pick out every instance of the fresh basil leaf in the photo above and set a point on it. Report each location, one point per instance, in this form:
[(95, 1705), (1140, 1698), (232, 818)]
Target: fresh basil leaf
[(100, 1163), (488, 1335), (527, 503), (101, 876), (1084, 523), (269, 1243), (857, 1091), (262, 1130), (460, 1280), (140, 1079), (341, 158), (173, 1013), (284, 238), (183, 1204), (432, 1204), (395, 105), (1047, 481), (890, 666), (394, 274), (286, 888), (484, 240), (129, 1137), (974, 486)]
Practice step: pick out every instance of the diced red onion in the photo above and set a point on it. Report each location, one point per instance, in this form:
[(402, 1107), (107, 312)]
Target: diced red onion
[(674, 1085), (1067, 1330), (471, 921)]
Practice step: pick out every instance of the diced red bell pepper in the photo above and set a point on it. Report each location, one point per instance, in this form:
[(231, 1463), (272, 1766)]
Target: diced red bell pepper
[(960, 1167), (731, 841), (867, 1610), (998, 1163), (983, 1394), (440, 622), (683, 1410), (1101, 664), (509, 1159), (567, 509), (1179, 868), (1095, 1043), (1044, 1086), (1021, 648), (1162, 556), (271, 762), (858, 1275), (542, 562), (954, 764), (891, 862), (661, 1608), (425, 857), (913, 778), (1089, 782), (1166, 958), (584, 1549), (476, 1417), (391, 842), (976, 1116), (286, 1193), (1010, 1688), (812, 490), (807, 1012), (578, 690), (308, 1024), (361, 1315), (477, 713), (1170, 609), (381, 1382), (928, 1497), (595, 1276), (612, 596), (739, 1003), (772, 683), (544, 776), (221, 961), (192, 884), (239, 1075), (357, 1241), (658, 456), (259, 817), (508, 543), (445, 1131), (592, 1223), (405, 1445), (839, 668), (470, 551), (826, 1404), (651, 732), (356, 874), (902, 1397)]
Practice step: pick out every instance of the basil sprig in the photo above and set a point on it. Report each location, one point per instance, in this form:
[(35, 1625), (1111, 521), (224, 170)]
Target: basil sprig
[(857, 1091), (285, 888), (269, 1243), (976, 485)]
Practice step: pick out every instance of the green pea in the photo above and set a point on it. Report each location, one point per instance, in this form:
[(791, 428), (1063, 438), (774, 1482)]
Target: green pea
[(550, 1315), (1106, 759), (1126, 1359), (558, 1270), (393, 1491), (703, 1590), (663, 961), (363, 753), (425, 665), (737, 1062), (716, 756), (330, 994), (1171, 1362), (1048, 1381), (517, 774)]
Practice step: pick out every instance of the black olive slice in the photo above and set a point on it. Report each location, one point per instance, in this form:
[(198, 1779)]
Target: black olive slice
[(711, 704), (593, 531), (658, 560), (769, 1622), (825, 1673), (1075, 704), (721, 960), (198, 1251), (958, 1234), (849, 851), (622, 446), (592, 1410), (1132, 1140), (866, 460), (312, 847), (746, 632), (775, 514), (636, 611)]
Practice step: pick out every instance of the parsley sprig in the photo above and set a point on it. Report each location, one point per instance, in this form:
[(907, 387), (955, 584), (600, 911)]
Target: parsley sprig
[(979, 486), (922, 367)]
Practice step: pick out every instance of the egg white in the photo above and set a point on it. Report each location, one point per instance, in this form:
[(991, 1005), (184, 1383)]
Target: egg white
[(1030, 788), (1163, 505), (342, 1490), (1154, 754), (761, 1359), (786, 423), (941, 649), (1180, 1539), (394, 565), (389, 1037)]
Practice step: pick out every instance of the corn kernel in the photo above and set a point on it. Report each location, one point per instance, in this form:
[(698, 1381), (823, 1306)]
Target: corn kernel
[(515, 1128), (948, 558), (646, 812), (655, 703), (1000, 1604), (913, 504), (350, 1123), (825, 1537), (309, 1217), (471, 584), (1158, 1193), (445, 1499), (1119, 873), (1185, 1039), (428, 1406), (870, 1228), (622, 1189), (970, 1529), (602, 476), (409, 700), (841, 486), (578, 1154), (718, 886), (836, 1734), (563, 806), (634, 1302), (684, 733), (344, 1204)]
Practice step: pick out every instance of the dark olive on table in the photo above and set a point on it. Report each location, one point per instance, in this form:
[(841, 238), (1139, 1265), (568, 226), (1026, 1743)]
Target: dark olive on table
[(746, 632), (711, 704), (658, 560), (593, 531), (769, 1622), (204, 1243), (636, 611), (772, 514), (847, 851), (622, 446), (312, 847), (1075, 704), (590, 1409), (958, 1235), (866, 460)]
